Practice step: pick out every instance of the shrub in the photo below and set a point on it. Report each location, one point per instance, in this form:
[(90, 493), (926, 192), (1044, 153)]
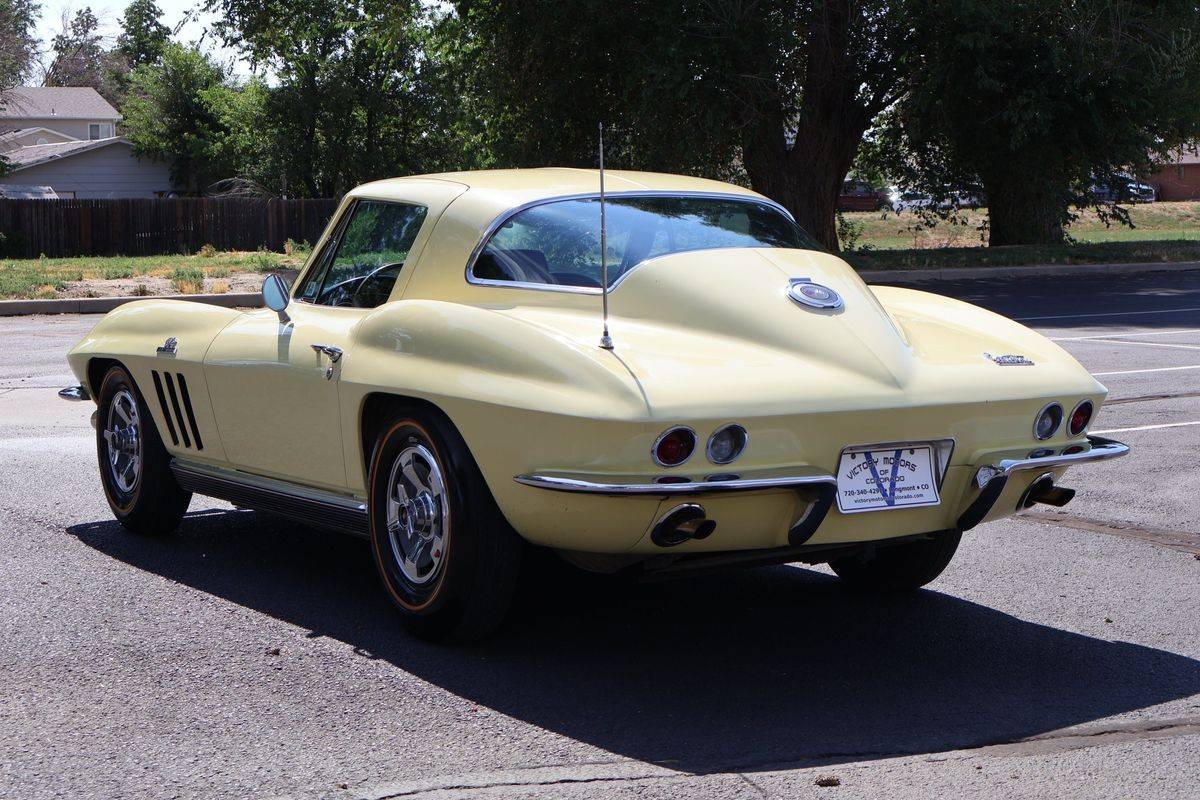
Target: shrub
[(262, 261), (206, 251), (116, 273), (218, 272), (187, 280), (293, 248), (218, 287)]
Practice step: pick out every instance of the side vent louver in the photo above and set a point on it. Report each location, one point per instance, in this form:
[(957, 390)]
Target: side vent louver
[(177, 418)]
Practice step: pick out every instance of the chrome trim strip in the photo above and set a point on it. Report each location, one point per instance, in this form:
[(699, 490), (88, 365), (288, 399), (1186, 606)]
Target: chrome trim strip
[(503, 218), (560, 484), (1102, 450), (74, 393)]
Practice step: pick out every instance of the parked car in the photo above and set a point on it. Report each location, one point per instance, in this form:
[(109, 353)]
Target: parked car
[(437, 382), (907, 200), (1122, 189), (858, 195)]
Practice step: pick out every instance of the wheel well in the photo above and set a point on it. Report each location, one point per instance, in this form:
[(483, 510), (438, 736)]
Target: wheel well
[(376, 410), (96, 370)]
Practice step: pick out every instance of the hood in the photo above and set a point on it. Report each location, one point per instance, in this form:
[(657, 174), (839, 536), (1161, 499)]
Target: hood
[(708, 331)]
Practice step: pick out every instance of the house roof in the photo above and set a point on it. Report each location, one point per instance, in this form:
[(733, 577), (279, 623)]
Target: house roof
[(62, 102), (26, 157)]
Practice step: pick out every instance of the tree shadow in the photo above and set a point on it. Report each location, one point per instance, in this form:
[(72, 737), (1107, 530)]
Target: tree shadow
[(736, 671)]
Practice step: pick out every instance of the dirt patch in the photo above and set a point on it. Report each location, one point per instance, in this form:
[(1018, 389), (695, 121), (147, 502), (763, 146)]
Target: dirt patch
[(235, 283)]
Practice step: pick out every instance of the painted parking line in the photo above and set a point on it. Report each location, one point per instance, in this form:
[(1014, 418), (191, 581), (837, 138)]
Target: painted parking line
[(1109, 314), (1155, 344), (1148, 427), (1142, 371), (1122, 335)]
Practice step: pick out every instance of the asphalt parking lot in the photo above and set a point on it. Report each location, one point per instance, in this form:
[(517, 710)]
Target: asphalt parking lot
[(1058, 656)]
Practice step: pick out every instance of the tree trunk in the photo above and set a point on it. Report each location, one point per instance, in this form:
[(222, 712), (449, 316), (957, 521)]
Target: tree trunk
[(1024, 209)]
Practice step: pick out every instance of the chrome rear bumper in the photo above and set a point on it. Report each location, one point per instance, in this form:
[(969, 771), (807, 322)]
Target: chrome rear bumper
[(74, 394), (560, 483)]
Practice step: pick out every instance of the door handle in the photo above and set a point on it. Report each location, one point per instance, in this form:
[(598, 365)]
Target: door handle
[(334, 353)]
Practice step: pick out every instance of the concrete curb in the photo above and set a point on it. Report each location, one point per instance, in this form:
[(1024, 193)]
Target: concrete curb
[(101, 305), (977, 273)]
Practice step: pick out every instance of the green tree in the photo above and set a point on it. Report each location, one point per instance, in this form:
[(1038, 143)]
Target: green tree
[(143, 36), (18, 48), (81, 59), (1033, 98), (779, 92), (170, 115)]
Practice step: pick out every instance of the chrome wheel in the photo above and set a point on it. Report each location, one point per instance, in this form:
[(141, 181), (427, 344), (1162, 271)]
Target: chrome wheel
[(418, 514), (123, 437)]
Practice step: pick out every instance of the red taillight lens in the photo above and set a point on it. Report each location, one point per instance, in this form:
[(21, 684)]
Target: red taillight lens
[(674, 447), (1080, 418)]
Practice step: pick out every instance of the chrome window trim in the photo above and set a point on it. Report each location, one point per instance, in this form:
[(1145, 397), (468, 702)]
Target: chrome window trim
[(663, 435), (745, 443), (1071, 416), (504, 217), (1044, 409)]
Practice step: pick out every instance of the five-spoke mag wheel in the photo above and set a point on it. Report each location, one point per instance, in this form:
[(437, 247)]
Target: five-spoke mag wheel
[(418, 514)]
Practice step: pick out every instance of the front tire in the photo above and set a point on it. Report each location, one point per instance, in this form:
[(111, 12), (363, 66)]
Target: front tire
[(445, 554), (898, 567), (134, 464)]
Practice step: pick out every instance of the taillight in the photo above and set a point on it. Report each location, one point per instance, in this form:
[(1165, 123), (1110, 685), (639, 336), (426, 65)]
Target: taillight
[(674, 447), (1047, 421), (1080, 418), (726, 444)]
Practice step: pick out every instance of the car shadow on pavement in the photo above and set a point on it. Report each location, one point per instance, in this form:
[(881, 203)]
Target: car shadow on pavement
[(740, 671)]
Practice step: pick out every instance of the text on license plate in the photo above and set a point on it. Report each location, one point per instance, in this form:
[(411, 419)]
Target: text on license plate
[(873, 479)]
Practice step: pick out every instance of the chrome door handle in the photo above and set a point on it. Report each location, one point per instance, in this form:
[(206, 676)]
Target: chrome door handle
[(334, 353)]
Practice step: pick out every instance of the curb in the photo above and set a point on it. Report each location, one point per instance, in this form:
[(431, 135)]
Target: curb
[(101, 305), (1041, 270)]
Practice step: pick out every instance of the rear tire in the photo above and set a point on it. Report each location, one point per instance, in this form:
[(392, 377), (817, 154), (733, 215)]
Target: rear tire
[(899, 567), (445, 554), (135, 468)]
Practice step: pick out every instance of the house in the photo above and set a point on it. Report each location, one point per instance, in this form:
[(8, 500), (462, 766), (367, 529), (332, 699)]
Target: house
[(65, 138), (1179, 177)]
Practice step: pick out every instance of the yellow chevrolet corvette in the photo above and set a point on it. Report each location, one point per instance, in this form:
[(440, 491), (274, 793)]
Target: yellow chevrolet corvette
[(462, 368)]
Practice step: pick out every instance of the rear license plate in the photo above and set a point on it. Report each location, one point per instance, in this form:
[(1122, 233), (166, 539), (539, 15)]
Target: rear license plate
[(878, 478)]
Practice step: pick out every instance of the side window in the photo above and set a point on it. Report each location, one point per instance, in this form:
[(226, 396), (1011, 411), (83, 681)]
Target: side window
[(361, 266), (93, 131)]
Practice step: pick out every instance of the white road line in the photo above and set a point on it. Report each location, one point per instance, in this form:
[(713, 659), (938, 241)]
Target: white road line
[(1109, 314), (1156, 344), (1140, 371), (1148, 427), (1125, 335)]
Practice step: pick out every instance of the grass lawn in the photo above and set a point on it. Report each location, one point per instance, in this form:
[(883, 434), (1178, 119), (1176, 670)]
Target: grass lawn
[(49, 277)]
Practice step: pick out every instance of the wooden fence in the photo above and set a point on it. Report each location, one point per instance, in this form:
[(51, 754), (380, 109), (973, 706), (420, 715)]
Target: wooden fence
[(60, 228)]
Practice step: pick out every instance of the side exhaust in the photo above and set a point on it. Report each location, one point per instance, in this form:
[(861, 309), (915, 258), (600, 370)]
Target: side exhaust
[(1043, 490), (681, 523)]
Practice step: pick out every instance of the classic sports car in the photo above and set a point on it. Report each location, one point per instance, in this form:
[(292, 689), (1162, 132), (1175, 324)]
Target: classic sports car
[(436, 381)]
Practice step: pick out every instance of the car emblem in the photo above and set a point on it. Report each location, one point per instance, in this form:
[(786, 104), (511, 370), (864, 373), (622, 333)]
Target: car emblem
[(1010, 360), (814, 295), (168, 347)]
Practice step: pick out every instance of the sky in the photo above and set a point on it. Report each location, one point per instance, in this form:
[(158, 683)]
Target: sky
[(109, 13)]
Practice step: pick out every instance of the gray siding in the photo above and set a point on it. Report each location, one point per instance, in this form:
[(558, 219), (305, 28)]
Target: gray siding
[(110, 171), (75, 128)]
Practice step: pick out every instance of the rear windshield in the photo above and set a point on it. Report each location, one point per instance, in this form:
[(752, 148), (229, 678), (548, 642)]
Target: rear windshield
[(558, 243)]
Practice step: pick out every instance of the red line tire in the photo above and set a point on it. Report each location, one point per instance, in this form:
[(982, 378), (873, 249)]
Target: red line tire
[(444, 552), (134, 464)]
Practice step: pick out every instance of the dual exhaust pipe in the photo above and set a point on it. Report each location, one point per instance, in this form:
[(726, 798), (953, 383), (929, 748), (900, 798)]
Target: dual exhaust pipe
[(682, 523)]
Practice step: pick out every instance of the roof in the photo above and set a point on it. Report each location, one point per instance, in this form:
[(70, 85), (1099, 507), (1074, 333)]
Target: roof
[(26, 157), (13, 191), (524, 185), (62, 102), (1188, 154)]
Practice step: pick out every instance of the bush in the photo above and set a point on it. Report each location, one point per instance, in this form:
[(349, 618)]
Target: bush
[(187, 280), (116, 273), (218, 272), (262, 261), (207, 251), (293, 248)]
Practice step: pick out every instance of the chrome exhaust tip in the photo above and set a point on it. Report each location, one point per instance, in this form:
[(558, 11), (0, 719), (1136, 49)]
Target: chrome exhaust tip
[(681, 523), (1043, 490)]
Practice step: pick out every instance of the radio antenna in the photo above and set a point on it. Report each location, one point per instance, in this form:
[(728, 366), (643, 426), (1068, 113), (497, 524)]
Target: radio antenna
[(605, 340)]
